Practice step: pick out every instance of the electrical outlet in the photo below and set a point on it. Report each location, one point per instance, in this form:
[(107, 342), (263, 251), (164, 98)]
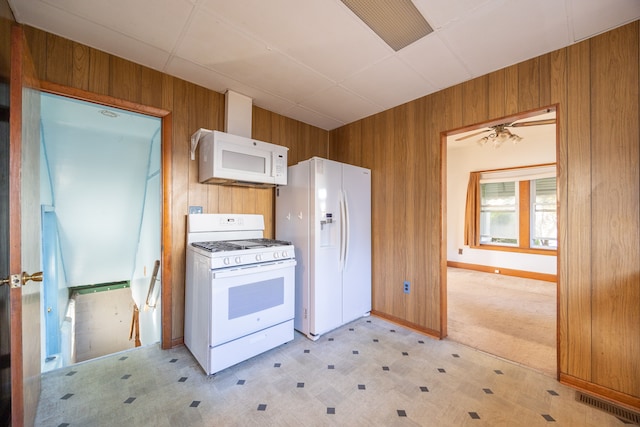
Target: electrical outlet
[(459, 251), (407, 287)]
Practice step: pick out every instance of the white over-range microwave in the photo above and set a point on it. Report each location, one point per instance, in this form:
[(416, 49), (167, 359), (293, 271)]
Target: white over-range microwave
[(229, 159)]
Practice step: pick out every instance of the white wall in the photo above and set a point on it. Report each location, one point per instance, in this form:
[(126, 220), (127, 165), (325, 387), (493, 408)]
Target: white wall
[(148, 251), (473, 157)]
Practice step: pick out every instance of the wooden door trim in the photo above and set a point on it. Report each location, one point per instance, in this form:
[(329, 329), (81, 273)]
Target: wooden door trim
[(167, 144), (15, 247)]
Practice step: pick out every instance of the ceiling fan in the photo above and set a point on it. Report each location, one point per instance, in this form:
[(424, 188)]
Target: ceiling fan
[(500, 133)]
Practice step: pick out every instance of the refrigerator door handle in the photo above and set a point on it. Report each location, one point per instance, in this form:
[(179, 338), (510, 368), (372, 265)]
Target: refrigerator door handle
[(343, 231), (347, 223)]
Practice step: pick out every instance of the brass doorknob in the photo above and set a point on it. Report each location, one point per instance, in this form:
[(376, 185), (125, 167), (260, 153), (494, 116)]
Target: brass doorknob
[(17, 280), (36, 277)]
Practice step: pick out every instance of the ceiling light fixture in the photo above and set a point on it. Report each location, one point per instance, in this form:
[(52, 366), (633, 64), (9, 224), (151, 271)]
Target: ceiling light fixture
[(499, 135), (108, 113), (399, 23)]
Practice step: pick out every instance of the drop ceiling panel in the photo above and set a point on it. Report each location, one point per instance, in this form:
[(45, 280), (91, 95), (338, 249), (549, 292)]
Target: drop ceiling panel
[(323, 35), (440, 67), (313, 118), (341, 104), (504, 33), (592, 17), (440, 13), (374, 83), (220, 47), (160, 26)]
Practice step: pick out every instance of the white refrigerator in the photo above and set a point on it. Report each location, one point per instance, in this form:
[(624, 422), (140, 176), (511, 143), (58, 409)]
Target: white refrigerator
[(325, 211)]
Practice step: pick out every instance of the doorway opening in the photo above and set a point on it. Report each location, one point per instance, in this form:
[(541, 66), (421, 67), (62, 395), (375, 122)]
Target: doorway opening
[(101, 202), (500, 274)]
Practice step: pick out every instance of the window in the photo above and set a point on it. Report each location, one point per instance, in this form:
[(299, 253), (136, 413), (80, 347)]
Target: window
[(544, 216), (499, 213), (517, 210)]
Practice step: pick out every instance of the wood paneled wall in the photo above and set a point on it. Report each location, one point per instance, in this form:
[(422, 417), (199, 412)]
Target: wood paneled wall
[(595, 86), (77, 66)]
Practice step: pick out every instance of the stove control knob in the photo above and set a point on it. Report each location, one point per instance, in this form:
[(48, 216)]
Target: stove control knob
[(238, 260), (276, 254), (226, 261), (284, 254), (258, 257)]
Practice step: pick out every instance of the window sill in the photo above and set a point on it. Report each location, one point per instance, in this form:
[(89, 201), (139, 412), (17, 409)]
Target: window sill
[(551, 252)]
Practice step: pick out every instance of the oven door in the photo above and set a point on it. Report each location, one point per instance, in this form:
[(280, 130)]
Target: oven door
[(249, 299)]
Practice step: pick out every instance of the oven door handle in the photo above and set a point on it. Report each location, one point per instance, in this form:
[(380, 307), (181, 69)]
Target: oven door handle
[(254, 268)]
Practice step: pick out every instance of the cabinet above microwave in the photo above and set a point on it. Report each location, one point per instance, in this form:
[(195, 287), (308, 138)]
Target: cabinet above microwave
[(228, 159)]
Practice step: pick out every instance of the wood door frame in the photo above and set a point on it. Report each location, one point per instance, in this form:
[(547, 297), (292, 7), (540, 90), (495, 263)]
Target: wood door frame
[(15, 211), (443, 214), (166, 149)]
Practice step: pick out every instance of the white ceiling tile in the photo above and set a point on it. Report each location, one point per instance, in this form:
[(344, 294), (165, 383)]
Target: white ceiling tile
[(505, 33), (313, 118), (219, 47), (440, 66), (591, 17), (389, 83), (440, 13), (158, 23), (335, 42), (340, 103)]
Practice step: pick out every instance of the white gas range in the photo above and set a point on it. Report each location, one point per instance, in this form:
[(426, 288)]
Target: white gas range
[(239, 289)]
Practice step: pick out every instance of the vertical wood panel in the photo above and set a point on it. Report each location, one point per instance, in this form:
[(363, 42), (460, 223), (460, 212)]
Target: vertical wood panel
[(151, 81), (558, 95), (179, 201), (511, 84), (528, 84), (125, 79), (578, 248), (98, 72), (476, 96), (366, 143), (496, 94), (544, 77), (381, 206), (61, 70), (197, 117), (80, 77), (453, 107), (436, 289), (616, 224), (397, 140), (417, 267)]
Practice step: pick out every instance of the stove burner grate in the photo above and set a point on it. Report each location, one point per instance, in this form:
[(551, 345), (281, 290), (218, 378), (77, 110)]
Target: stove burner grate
[(236, 245)]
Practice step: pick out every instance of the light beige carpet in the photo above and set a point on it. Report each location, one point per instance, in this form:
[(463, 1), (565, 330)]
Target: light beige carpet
[(509, 317)]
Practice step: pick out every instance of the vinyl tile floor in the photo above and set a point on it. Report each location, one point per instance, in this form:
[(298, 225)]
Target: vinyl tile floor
[(367, 373)]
